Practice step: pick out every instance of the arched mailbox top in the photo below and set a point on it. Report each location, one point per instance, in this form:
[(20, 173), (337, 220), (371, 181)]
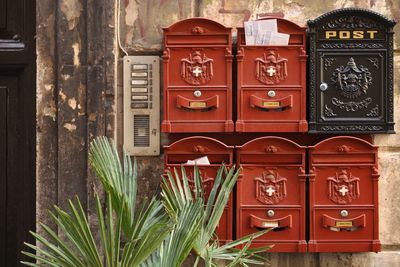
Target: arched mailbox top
[(270, 145), (198, 145), (340, 15), (197, 26), (194, 147), (345, 145)]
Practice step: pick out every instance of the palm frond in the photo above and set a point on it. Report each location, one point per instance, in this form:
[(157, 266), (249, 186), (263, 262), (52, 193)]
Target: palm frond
[(175, 195)]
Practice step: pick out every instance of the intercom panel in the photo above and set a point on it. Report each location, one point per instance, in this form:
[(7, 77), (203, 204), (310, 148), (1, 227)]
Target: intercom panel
[(142, 105)]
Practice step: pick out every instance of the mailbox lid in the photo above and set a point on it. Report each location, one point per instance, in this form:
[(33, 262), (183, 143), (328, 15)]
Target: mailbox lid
[(194, 147), (271, 150), (351, 72), (197, 31), (342, 151)]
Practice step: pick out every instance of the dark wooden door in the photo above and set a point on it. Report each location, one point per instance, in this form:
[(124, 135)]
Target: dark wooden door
[(17, 128)]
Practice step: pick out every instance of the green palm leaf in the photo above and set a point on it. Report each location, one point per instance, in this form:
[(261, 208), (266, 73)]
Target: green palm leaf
[(175, 196)]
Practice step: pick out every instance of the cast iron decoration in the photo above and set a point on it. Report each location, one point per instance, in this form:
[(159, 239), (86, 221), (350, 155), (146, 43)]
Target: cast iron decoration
[(351, 72), (351, 80)]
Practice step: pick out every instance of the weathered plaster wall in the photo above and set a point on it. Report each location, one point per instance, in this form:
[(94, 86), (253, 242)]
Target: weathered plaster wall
[(75, 90), (142, 33)]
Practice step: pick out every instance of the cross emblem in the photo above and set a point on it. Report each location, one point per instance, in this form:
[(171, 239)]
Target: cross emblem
[(343, 190), (270, 191), (271, 71), (197, 70)]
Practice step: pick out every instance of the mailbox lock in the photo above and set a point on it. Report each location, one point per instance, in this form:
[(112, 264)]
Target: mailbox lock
[(270, 213), (323, 87), (271, 93), (344, 213), (197, 93)]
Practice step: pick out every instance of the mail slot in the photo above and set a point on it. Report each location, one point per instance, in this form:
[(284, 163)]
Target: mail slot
[(271, 193), (271, 83), (351, 72), (343, 196), (208, 154), (197, 62)]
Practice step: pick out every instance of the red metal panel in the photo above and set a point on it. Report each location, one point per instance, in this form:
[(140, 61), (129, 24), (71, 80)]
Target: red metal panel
[(197, 62), (271, 193), (343, 196), (194, 147), (272, 83)]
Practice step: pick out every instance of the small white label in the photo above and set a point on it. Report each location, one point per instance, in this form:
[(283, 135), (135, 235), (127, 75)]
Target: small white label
[(139, 67), (270, 224), (139, 90), (139, 82), (140, 97), (139, 74)]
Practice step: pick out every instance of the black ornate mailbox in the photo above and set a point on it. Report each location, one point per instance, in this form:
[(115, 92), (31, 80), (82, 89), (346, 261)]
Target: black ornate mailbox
[(351, 72)]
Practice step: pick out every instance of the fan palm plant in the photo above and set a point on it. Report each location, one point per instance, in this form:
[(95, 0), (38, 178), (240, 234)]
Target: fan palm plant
[(160, 233)]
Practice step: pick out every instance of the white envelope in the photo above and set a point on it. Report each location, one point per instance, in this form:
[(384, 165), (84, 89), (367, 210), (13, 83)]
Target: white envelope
[(199, 161), (278, 38), (268, 25)]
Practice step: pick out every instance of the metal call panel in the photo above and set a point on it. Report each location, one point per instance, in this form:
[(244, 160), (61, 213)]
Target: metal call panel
[(142, 105)]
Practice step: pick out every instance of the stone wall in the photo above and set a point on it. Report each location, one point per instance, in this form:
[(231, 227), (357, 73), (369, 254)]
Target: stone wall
[(79, 83)]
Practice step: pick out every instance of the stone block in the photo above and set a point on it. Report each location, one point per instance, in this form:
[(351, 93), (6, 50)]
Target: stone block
[(389, 198)]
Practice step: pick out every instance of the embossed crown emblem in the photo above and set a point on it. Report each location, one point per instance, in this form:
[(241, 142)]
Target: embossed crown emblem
[(271, 68), (270, 187), (352, 81), (343, 187), (197, 69)]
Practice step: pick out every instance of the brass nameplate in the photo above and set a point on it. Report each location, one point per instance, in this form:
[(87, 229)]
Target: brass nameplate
[(270, 224), (198, 104), (270, 104), (344, 224)]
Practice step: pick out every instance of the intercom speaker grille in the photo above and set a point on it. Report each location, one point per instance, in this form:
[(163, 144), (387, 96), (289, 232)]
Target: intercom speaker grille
[(141, 130)]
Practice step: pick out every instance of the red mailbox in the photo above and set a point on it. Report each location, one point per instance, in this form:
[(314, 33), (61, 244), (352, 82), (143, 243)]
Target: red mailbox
[(197, 62), (195, 147), (271, 193), (271, 80), (343, 196)]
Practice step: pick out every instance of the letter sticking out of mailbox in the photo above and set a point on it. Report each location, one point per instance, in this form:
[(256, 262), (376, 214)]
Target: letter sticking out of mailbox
[(210, 154), (351, 72), (343, 196), (271, 80), (271, 193), (197, 62)]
